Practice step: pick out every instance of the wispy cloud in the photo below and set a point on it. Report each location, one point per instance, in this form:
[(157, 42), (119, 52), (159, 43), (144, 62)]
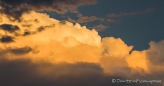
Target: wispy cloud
[(100, 27), (16, 8), (113, 15), (111, 20), (85, 19), (138, 12)]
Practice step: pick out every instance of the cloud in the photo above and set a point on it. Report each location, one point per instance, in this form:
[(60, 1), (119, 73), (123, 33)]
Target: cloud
[(138, 59), (61, 53), (16, 8), (100, 27), (155, 58), (9, 28), (118, 48), (114, 15), (155, 54), (20, 51), (85, 19), (26, 33), (11, 52), (6, 39), (138, 12), (111, 20), (28, 73)]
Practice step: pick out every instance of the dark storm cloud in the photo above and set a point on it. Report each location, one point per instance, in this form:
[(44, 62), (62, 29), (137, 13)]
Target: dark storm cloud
[(23, 72), (15, 8), (6, 39), (9, 28)]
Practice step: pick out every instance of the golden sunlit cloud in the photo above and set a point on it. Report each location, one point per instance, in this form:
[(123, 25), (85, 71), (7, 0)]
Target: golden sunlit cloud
[(56, 41), (43, 39)]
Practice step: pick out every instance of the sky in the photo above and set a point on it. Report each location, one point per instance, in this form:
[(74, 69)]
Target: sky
[(81, 43)]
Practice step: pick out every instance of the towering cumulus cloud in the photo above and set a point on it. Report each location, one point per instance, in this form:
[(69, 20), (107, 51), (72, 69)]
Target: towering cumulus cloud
[(43, 51)]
